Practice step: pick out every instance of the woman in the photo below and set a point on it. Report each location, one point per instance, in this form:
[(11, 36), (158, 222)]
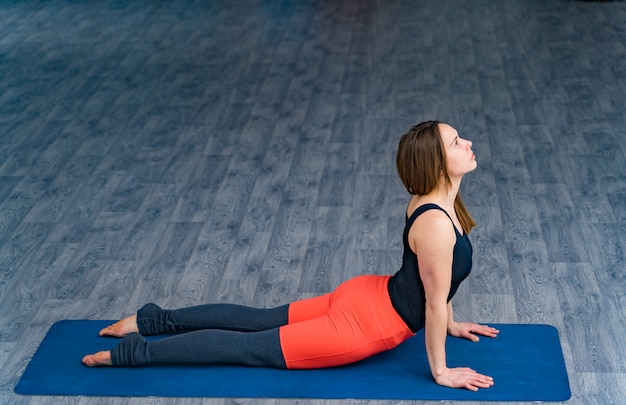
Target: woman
[(363, 316)]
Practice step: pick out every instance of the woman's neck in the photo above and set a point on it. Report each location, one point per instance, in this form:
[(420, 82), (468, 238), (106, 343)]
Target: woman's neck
[(443, 196)]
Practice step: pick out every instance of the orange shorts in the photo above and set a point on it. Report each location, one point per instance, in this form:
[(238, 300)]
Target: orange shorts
[(352, 323)]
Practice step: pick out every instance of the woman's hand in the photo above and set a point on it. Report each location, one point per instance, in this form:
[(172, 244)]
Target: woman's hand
[(463, 378), (470, 330)]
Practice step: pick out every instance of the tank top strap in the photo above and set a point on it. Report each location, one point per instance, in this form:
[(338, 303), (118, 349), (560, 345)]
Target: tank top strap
[(422, 209)]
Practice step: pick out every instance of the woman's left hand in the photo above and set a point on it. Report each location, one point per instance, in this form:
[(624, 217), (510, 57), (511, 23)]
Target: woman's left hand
[(470, 330)]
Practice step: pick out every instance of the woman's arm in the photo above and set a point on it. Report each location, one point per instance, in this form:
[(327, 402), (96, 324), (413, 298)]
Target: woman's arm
[(433, 242)]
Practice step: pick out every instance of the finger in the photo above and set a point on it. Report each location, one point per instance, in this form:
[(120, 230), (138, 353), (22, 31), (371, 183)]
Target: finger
[(470, 336), (485, 382), (481, 383), (485, 330), (471, 387), (483, 379), (490, 329), (486, 333)]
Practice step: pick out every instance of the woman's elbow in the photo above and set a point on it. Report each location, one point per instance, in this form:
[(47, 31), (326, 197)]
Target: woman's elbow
[(436, 308)]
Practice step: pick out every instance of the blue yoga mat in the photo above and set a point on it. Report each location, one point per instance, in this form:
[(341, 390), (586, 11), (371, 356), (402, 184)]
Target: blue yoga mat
[(526, 362)]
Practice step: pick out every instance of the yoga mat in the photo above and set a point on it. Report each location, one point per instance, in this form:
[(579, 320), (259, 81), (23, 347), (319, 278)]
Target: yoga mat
[(525, 361)]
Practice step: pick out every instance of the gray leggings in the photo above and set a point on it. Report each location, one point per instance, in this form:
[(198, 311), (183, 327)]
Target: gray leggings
[(205, 334)]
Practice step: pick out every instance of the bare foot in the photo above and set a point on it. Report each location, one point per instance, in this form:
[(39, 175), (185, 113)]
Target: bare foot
[(98, 359), (121, 328)]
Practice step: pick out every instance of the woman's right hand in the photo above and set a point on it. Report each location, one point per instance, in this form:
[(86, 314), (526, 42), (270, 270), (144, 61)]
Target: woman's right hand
[(463, 377)]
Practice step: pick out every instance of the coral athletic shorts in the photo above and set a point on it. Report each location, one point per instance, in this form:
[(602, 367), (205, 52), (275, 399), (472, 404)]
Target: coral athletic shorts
[(352, 323)]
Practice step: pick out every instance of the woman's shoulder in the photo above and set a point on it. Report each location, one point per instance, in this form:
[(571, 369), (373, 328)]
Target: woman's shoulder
[(429, 225), (434, 219), (415, 210)]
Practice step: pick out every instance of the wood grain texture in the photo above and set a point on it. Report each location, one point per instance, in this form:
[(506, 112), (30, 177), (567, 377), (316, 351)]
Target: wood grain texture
[(193, 152)]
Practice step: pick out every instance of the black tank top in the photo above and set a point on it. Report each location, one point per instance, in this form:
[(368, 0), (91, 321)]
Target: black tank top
[(405, 287)]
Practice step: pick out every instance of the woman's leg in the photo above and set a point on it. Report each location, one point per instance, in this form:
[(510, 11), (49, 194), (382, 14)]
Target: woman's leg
[(208, 346), (213, 345), (153, 320), (309, 308)]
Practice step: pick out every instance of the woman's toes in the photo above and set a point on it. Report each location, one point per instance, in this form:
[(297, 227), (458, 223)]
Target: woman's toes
[(112, 330), (105, 331), (98, 359), (121, 328)]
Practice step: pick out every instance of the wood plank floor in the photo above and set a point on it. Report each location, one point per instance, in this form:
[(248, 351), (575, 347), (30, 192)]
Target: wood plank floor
[(185, 152)]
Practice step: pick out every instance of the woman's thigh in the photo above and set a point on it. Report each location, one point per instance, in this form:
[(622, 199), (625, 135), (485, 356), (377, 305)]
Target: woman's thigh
[(309, 308)]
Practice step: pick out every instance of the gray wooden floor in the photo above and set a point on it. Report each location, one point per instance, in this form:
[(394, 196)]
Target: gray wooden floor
[(185, 152)]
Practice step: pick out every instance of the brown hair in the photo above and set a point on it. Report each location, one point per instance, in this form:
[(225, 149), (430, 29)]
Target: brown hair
[(421, 162)]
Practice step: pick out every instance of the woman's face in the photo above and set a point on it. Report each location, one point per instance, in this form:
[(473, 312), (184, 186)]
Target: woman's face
[(459, 156)]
